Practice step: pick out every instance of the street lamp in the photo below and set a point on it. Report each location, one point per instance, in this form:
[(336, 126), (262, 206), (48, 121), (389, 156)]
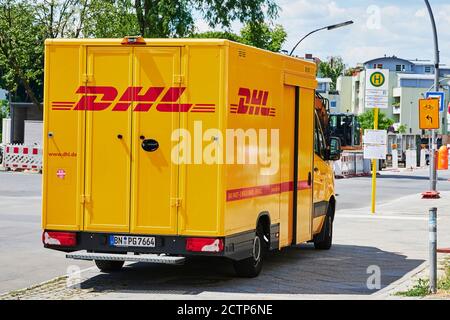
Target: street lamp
[(433, 173), (332, 27)]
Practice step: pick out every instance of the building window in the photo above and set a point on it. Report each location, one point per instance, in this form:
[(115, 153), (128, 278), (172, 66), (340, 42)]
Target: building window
[(427, 69), (400, 68)]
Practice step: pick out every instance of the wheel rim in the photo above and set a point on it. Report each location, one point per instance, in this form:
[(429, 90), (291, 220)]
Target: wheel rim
[(257, 248)]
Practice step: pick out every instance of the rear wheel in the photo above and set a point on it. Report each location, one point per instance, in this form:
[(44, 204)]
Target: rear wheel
[(324, 240), (109, 266), (251, 267)]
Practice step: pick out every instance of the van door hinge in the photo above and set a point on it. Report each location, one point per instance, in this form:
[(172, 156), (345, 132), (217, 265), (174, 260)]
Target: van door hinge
[(176, 202), (85, 199), (87, 77), (178, 79)]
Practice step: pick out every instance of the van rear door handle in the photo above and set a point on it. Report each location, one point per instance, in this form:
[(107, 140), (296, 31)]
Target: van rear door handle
[(150, 145)]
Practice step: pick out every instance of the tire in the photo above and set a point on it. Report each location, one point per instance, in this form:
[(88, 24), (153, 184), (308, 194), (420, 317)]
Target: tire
[(109, 266), (251, 267), (324, 240)]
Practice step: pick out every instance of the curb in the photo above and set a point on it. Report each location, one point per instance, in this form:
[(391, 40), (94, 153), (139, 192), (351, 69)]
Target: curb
[(402, 283)]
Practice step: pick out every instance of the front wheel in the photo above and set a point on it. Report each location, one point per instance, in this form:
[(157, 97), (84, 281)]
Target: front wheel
[(324, 240), (109, 266), (251, 267)]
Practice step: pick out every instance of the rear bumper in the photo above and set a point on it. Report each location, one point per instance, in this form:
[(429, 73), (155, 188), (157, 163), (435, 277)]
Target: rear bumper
[(236, 247)]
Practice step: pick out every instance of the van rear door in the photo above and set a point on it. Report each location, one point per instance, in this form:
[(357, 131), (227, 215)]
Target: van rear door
[(133, 100), (108, 140), (154, 175)]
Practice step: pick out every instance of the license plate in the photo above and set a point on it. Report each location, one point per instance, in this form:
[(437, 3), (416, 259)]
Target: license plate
[(132, 241)]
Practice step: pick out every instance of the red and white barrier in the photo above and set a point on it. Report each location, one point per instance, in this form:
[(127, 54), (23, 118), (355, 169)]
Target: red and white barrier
[(16, 156), (351, 164)]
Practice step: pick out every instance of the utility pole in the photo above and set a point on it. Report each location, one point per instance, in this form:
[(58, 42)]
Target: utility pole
[(433, 172)]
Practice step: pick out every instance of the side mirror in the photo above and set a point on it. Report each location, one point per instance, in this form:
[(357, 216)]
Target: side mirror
[(335, 149)]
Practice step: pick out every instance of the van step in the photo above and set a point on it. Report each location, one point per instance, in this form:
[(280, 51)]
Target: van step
[(152, 258)]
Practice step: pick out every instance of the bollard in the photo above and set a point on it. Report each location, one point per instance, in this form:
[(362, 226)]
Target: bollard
[(423, 156), (395, 159), (432, 242)]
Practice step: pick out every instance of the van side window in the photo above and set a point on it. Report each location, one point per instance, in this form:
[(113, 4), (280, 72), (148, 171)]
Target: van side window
[(319, 139), (316, 138)]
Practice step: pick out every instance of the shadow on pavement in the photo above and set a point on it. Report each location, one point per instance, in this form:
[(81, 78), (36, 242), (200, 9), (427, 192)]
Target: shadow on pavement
[(295, 270)]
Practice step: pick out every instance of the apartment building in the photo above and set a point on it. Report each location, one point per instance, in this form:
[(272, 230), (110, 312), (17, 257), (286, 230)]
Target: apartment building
[(409, 80)]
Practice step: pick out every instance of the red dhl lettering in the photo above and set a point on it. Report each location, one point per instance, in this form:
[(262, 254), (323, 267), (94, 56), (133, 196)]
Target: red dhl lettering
[(253, 102), (100, 98)]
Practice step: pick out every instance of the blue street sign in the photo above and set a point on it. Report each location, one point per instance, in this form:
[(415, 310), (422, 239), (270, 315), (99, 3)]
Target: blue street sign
[(441, 96)]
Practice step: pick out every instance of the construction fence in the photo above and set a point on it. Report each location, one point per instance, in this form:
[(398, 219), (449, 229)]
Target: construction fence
[(352, 164), (21, 157)]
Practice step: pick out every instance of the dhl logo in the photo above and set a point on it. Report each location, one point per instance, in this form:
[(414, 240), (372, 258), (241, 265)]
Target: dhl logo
[(253, 102), (99, 98)]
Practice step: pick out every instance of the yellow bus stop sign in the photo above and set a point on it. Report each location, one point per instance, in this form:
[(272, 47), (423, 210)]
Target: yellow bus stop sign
[(429, 114), (377, 79)]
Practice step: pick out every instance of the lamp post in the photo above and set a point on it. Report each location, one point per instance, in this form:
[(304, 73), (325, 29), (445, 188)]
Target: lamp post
[(433, 173), (332, 27)]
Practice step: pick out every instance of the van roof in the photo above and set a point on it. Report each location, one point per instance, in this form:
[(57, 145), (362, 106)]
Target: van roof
[(163, 42)]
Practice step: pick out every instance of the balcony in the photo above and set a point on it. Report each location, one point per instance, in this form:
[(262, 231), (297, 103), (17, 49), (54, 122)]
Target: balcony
[(396, 109)]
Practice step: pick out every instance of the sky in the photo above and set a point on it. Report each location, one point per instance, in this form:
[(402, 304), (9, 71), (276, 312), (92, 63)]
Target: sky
[(398, 27)]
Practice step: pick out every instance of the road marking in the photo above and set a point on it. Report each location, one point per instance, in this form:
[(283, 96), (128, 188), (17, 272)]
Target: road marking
[(375, 217)]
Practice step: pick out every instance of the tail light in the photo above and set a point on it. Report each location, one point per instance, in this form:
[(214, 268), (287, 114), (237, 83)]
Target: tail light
[(62, 239), (204, 244)]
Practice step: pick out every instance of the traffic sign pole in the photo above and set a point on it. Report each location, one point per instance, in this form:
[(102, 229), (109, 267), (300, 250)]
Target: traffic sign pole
[(374, 165), (433, 175), (429, 120), (376, 97)]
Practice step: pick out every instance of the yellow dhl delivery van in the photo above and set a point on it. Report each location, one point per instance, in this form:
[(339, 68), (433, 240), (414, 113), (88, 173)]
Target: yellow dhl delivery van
[(160, 149)]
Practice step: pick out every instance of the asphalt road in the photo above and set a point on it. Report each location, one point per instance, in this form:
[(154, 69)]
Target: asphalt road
[(24, 261), (390, 186), (396, 243)]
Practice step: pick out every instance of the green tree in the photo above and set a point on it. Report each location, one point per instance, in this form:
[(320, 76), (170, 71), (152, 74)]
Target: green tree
[(332, 68), (267, 38), (402, 128), (61, 18), (174, 18), (24, 25), (217, 35), (111, 19), (21, 52), (366, 120), (263, 36)]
